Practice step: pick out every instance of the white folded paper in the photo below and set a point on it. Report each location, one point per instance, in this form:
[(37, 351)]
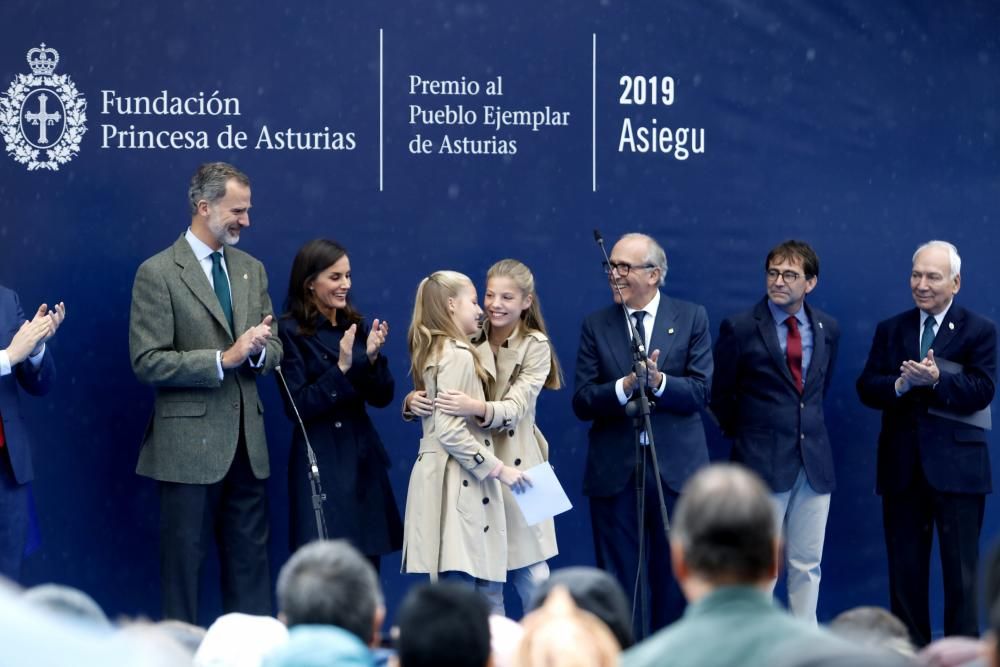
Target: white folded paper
[(544, 498)]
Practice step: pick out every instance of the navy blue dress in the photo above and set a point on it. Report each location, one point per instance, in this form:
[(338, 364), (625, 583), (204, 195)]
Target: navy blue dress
[(353, 463)]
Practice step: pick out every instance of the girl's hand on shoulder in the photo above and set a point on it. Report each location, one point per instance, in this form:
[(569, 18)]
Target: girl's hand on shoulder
[(419, 404)]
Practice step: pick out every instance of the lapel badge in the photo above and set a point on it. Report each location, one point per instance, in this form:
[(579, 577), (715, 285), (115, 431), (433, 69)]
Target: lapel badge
[(951, 325), (820, 324), (245, 277), (670, 331)]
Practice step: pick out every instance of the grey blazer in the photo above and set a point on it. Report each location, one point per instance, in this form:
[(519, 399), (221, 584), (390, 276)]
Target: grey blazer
[(176, 327)]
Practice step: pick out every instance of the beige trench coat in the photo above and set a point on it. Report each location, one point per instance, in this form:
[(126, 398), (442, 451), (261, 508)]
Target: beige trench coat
[(519, 372), (454, 517)]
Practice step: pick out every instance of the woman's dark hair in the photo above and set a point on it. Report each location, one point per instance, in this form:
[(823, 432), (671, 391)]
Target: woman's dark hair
[(314, 257)]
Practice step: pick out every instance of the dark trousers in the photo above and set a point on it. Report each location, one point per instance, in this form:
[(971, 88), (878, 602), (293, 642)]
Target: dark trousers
[(909, 518), (233, 511), (615, 524), (13, 519)]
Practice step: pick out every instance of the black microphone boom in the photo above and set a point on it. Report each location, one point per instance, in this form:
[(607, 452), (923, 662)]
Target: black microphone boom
[(315, 485)]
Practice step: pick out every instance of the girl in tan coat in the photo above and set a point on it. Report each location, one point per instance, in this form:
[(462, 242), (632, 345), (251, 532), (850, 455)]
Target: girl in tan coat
[(519, 361), (455, 524)]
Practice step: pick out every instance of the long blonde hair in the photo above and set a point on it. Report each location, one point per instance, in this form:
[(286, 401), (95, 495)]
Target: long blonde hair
[(531, 317), (432, 323)]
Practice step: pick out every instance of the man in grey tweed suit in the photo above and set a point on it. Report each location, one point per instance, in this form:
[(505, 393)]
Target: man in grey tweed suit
[(201, 330)]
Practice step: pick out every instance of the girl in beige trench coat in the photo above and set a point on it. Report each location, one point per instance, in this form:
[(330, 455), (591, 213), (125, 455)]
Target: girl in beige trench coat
[(519, 360), (454, 525)]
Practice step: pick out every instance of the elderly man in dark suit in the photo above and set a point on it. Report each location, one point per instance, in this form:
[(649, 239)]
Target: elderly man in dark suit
[(201, 331), (678, 380), (932, 372), (25, 364), (772, 367)]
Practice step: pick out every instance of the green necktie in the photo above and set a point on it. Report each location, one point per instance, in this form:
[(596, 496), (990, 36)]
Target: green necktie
[(927, 337), (221, 282)]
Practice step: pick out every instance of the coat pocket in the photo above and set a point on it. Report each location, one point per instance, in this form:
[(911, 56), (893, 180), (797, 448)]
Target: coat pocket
[(181, 409), (970, 436)]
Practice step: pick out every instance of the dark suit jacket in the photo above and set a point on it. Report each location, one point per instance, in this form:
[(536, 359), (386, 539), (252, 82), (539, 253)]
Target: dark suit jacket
[(360, 505), (176, 327), (953, 455), (775, 430), (34, 381), (681, 334)]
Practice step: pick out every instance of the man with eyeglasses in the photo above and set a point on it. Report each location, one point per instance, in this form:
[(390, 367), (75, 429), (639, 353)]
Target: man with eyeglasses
[(677, 380), (931, 372), (772, 368)]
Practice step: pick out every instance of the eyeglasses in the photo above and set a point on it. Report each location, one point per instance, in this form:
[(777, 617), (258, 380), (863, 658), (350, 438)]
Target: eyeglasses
[(622, 268), (788, 276)]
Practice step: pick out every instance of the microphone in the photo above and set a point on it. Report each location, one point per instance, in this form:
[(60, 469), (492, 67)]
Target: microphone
[(315, 484), (598, 238)]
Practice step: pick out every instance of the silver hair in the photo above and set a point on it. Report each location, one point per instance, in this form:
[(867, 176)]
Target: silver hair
[(954, 260), (209, 183), (654, 255)]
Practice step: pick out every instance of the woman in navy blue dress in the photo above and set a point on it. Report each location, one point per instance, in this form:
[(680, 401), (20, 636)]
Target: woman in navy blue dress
[(334, 367)]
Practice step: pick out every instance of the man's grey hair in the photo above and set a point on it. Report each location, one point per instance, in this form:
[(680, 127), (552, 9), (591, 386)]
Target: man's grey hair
[(724, 523), (330, 583), (654, 253), (954, 260), (209, 183)]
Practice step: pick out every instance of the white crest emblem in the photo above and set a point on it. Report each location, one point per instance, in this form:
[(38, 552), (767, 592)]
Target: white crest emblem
[(42, 111)]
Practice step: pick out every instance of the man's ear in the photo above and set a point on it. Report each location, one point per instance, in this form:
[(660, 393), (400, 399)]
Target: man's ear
[(377, 622), (677, 562)]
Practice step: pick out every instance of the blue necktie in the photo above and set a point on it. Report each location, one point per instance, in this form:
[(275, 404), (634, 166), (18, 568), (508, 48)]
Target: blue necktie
[(927, 337)]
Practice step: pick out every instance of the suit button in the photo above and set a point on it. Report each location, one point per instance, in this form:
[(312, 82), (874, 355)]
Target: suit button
[(465, 482), (236, 405), (487, 443), (486, 529), (802, 405), (517, 462), (511, 433), (336, 424), (333, 394), (802, 436), (486, 501)]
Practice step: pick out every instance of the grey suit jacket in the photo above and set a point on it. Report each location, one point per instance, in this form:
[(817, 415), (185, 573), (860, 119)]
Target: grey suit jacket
[(176, 328)]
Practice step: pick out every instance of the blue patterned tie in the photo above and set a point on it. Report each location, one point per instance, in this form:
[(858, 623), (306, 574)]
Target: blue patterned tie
[(927, 337)]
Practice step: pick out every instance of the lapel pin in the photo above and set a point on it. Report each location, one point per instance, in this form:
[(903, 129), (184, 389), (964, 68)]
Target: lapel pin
[(245, 277), (820, 325), (670, 331), (951, 325)]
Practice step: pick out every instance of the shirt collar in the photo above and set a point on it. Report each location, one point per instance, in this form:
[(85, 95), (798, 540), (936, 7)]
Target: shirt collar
[(939, 318), (201, 250), (651, 307), (780, 316)]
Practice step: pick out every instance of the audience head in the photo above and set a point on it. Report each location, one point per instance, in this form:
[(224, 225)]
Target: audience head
[(724, 530), (239, 640), (874, 627), (560, 634), (331, 583), (67, 602), (595, 591), (320, 282), (443, 625)]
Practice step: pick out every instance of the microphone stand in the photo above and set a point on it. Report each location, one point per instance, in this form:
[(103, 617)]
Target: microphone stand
[(314, 481), (640, 410)]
